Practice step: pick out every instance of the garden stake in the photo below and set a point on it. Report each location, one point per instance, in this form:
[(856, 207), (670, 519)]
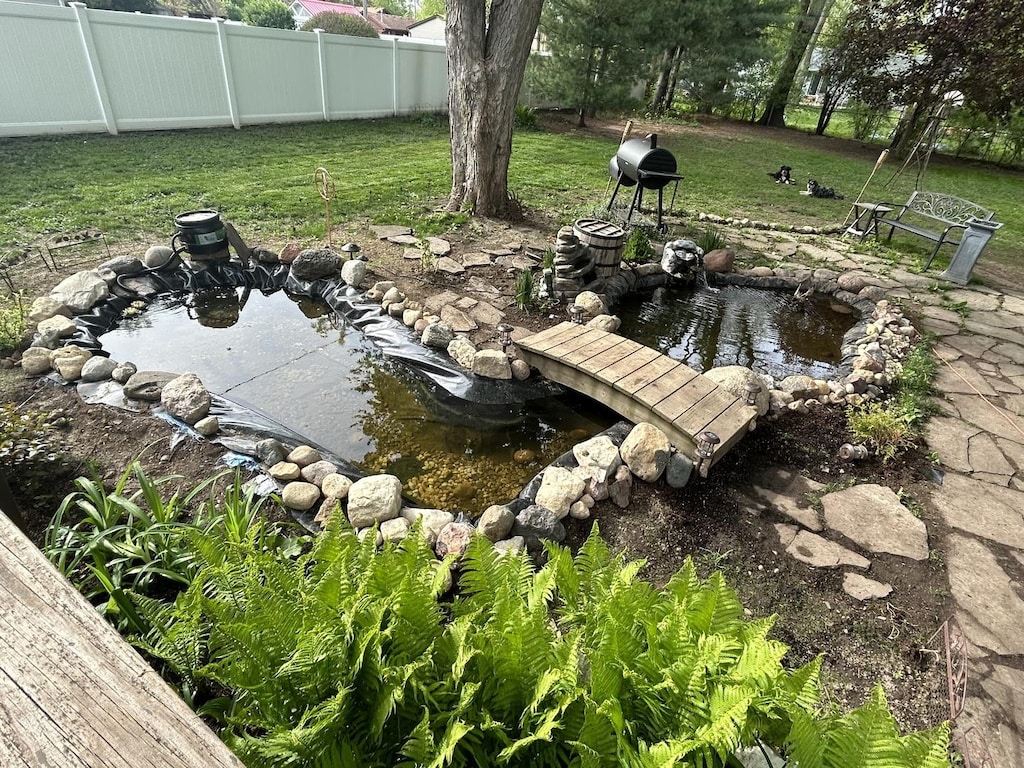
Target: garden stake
[(325, 186)]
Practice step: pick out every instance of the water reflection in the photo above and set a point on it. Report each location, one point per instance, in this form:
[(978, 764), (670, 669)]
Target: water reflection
[(310, 372), (768, 331)]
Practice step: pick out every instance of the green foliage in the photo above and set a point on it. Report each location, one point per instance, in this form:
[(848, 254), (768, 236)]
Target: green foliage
[(525, 118), (524, 289), (637, 249), (12, 320), (25, 438), (711, 239), (884, 427), (348, 656), (109, 542), (340, 24), (267, 13)]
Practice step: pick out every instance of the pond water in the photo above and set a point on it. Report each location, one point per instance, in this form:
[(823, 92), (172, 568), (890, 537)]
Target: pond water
[(769, 331), (294, 360)]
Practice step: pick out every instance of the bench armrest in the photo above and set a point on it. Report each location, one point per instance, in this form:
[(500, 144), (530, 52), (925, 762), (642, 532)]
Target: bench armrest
[(898, 208)]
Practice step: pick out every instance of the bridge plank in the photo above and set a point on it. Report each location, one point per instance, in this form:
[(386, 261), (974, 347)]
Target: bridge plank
[(684, 399), (703, 412), (610, 356), (645, 376), (587, 351), (731, 424), (553, 336), (571, 344), (628, 365), (676, 378)]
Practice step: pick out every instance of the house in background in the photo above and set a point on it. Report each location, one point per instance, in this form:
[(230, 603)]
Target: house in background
[(384, 23), (431, 28)]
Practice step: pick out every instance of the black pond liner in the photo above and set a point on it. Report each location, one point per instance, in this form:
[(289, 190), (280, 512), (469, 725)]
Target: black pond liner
[(462, 396)]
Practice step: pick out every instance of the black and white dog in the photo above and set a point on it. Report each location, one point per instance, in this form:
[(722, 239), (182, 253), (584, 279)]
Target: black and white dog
[(814, 189), (783, 176)]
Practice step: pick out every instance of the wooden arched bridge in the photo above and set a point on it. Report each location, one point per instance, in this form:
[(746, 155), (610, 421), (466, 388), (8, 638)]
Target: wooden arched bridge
[(641, 384)]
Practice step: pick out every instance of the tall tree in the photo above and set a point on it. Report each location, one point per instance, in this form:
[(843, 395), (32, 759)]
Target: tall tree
[(598, 52), (809, 14), (488, 44)]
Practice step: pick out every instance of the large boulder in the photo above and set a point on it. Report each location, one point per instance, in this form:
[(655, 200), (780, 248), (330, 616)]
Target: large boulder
[(591, 303), (147, 385), (645, 451), (315, 263), (462, 350), (374, 499), (437, 335), (559, 489), (492, 364), (35, 361), (734, 379), (720, 260), (98, 369), (186, 398), (45, 307), (353, 272), (81, 292), (598, 457), (536, 523), (496, 522)]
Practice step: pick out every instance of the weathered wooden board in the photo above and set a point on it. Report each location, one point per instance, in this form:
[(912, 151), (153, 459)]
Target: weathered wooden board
[(552, 336), (627, 365), (609, 356), (683, 399), (571, 344), (72, 692)]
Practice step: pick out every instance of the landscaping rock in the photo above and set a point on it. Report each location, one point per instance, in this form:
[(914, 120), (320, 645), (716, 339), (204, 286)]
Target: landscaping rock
[(454, 539), (819, 552), (678, 471), (437, 335), (535, 523), (862, 588), (35, 361), (799, 387), (46, 307), (147, 385), (186, 398), (316, 472), (394, 530), (374, 499), (122, 372), (270, 451), (353, 272), (609, 323), (300, 496), (304, 455), (591, 303), (492, 364), (81, 292), (158, 256), (315, 264), (462, 350), (335, 486), (621, 487), (284, 471), (432, 521), (208, 427), (720, 260), (598, 457), (98, 369), (496, 522), (645, 451), (520, 370), (734, 379), (68, 362), (559, 489), (57, 327), (512, 546)]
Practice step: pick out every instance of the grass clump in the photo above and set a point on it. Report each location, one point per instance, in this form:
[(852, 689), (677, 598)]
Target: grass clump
[(524, 290), (711, 239)]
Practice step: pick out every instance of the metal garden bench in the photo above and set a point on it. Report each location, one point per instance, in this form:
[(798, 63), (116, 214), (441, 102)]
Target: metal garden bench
[(917, 214)]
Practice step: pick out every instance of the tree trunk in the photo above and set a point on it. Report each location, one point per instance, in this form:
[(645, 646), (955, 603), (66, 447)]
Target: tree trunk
[(487, 53), (660, 102), (775, 108)]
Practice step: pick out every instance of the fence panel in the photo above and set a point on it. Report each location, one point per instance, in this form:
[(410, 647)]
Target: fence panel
[(74, 69), (45, 85), (160, 72)]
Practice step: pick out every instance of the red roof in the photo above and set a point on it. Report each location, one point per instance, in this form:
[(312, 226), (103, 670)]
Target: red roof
[(320, 6)]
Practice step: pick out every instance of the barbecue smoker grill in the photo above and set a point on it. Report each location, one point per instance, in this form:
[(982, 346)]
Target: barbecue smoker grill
[(641, 163)]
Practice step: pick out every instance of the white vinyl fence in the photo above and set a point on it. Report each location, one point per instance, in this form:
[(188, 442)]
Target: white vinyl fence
[(75, 69)]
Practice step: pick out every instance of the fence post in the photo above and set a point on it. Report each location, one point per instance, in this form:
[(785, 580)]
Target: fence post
[(322, 57), (95, 70), (225, 66), (394, 76)]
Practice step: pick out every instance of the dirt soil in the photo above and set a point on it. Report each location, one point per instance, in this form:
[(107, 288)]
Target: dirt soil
[(711, 520)]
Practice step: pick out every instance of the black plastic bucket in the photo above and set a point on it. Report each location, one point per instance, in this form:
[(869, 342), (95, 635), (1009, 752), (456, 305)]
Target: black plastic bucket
[(200, 233)]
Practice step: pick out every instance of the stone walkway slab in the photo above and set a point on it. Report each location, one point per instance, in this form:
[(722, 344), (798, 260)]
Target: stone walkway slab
[(862, 588), (788, 493), (873, 517), (819, 552), (983, 509), (985, 593)]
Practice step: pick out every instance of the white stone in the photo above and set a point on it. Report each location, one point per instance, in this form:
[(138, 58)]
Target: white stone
[(432, 521), (208, 426), (68, 361), (35, 361), (462, 351), (559, 489), (609, 323), (734, 379), (335, 486), (599, 457), (300, 496), (862, 588), (284, 471), (57, 326), (394, 530), (645, 451), (353, 272), (186, 398), (304, 455), (591, 303), (46, 307), (492, 364), (374, 499), (98, 369), (81, 292)]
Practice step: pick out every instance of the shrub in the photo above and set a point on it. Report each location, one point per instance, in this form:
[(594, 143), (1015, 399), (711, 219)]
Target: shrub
[(883, 427), (340, 24), (638, 247), (525, 118), (267, 13), (12, 321)]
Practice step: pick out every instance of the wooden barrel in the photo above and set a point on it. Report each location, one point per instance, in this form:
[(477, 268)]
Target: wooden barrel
[(605, 241)]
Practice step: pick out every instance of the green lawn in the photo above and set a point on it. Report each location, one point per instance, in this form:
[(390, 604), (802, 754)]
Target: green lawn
[(261, 178)]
